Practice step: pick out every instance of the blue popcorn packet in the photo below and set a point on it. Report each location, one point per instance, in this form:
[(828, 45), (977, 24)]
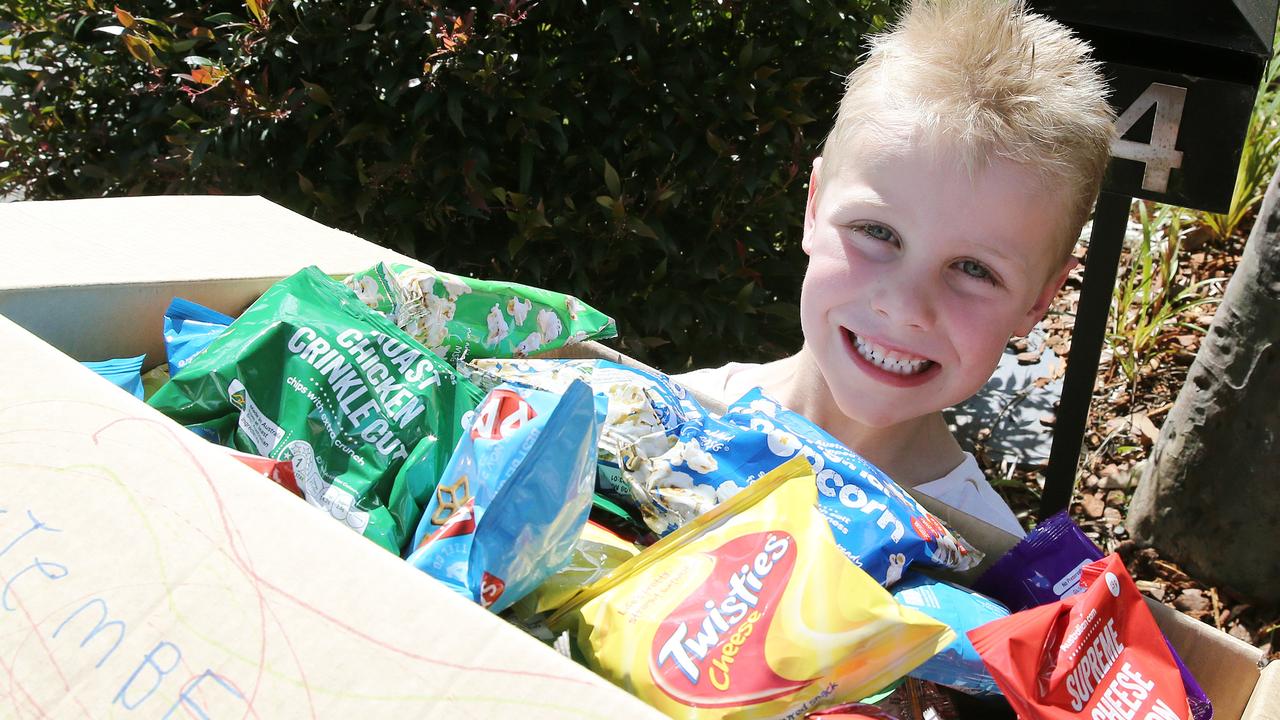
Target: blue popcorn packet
[(124, 373), (514, 497), (664, 455), (958, 665), (188, 329)]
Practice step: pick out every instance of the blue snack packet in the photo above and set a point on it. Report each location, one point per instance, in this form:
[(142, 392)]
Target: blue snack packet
[(189, 328), (1045, 567), (514, 497), (958, 665), (125, 373)]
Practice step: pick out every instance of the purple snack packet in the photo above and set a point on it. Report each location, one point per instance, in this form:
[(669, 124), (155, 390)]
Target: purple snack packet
[(1045, 567)]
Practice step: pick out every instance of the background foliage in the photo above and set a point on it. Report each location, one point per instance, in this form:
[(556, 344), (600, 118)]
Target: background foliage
[(650, 158)]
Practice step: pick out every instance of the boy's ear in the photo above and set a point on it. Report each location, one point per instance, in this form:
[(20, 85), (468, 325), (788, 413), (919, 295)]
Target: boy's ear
[(1051, 288), (811, 207)]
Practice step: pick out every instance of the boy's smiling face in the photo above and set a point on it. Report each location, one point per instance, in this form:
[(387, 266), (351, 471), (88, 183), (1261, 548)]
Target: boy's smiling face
[(918, 275)]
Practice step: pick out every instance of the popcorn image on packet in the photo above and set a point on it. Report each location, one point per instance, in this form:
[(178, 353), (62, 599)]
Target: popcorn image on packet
[(460, 317), (1045, 566), (749, 611), (515, 496), (188, 329), (664, 455), (958, 665), (1096, 654), (311, 375)]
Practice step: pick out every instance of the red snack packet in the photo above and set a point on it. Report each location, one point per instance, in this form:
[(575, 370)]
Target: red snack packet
[(1097, 655), (278, 471)]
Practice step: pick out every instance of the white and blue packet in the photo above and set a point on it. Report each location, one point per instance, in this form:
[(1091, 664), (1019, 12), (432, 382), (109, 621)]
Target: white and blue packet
[(958, 665), (681, 461), (515, 495)]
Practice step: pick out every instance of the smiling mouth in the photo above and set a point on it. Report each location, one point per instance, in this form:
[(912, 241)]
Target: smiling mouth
[(889, 360)]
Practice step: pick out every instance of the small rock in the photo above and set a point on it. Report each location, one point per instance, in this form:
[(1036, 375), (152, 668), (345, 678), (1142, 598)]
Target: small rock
[(1092, 505), (1028, 358), (1154, 589), (1117, 498), (1019, 344), (1240, 631), (1192, 600), (1112, 517)]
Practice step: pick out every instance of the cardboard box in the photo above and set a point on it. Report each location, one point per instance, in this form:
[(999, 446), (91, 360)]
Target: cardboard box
[(141, 569)]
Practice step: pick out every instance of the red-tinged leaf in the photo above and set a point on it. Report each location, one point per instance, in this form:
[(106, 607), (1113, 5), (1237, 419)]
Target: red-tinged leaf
[(140, 49), (125, 18), (258, 8)]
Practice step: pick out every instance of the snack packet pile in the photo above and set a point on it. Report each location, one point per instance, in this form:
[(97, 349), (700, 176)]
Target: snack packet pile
[(514, 498), (1094, 654), (750, 611), (309, 374), (459, 317), (664, 455), (1045, 566)]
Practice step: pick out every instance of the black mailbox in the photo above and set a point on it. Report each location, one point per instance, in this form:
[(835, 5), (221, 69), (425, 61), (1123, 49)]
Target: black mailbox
[(1183, 75)]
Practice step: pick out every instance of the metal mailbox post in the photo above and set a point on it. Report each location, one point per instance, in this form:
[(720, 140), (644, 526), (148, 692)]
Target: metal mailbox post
[(1183, 75)]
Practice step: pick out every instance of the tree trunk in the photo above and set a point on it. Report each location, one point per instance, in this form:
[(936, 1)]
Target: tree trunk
[(1209, 498)]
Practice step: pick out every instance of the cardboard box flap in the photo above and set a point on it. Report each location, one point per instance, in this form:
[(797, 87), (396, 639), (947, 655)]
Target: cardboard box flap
[(1226, 667), (117, 262), (1265, 702), (143, 569)]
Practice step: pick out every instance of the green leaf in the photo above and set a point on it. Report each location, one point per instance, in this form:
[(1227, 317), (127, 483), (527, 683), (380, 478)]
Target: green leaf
[(453, 105), (140, 49), (317, 93), (640, 228), (514, 245), (611, 180)]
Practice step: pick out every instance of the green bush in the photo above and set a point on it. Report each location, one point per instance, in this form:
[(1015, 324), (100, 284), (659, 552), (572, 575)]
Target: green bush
[(649, 157)]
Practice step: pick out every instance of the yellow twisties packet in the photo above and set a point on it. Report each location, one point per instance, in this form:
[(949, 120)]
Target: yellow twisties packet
[(749, 611)]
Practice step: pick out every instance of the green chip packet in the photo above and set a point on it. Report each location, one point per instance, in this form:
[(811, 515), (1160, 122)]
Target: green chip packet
[(310, 374), (461, 318)]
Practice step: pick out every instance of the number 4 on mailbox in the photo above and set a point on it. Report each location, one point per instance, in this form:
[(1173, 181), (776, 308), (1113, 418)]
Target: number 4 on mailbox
[(1160, 155)]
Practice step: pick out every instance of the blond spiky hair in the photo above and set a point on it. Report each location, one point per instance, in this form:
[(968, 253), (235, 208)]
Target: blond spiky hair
[(990, 80)]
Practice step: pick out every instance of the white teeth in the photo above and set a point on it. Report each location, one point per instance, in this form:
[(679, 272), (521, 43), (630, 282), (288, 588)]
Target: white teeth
[(888, 359)]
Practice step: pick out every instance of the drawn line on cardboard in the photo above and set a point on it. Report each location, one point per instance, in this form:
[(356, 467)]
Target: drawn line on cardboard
[(238, 558), (228, 525), (168, 584)]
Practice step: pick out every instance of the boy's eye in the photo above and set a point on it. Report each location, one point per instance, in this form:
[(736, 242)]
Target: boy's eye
[(976, 270), (877, 232)]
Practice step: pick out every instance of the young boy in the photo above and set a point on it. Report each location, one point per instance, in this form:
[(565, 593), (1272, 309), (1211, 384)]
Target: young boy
[(965, 157)]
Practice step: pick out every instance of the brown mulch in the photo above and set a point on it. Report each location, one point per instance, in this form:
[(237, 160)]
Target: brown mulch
[(1124, 421)]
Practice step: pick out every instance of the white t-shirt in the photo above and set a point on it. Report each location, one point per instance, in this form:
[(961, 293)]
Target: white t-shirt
[(965, 488)]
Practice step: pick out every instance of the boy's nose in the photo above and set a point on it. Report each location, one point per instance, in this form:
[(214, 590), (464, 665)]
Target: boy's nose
[(904, 302)]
